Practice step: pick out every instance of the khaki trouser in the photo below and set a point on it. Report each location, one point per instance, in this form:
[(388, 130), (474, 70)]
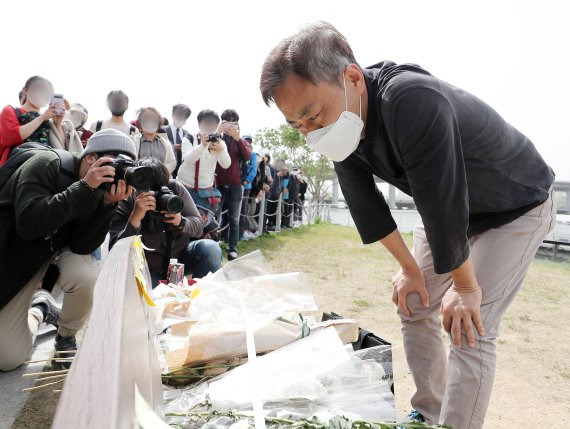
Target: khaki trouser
[(19, 323), (456, 389)]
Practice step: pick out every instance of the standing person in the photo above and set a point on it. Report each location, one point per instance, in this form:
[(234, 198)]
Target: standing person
[(483, 192), (274, 194), (293, 195), (285, 206), (300, 202), (258, 187), (25, 124), (118, 103), (229, 180), (62, 133), (176, 132), (78, 116), (148, 143), (199, 162), (249, 171)]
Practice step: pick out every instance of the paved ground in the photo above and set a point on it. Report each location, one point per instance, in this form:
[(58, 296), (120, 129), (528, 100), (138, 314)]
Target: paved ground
[(12, 399)]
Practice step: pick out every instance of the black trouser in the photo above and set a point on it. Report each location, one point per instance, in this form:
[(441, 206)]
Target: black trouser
[(271, 212), (287, 212), (299, 203)]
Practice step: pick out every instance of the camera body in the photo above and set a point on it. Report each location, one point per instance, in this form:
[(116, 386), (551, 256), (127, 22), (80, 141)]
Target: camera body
[(213, 138), (140, 178), (167, 201)]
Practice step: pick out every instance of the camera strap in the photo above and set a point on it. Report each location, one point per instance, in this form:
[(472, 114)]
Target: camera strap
[(196, 174), (167, 252)]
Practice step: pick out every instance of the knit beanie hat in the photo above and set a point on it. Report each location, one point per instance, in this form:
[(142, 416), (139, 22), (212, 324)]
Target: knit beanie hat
[(110, 140)]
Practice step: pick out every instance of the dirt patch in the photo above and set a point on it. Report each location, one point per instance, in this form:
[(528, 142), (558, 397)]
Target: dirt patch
[(533, 371)]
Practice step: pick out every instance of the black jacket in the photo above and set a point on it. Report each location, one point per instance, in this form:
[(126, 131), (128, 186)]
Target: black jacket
[(467, 169), (177, 153), (36, 221), (154, 231)]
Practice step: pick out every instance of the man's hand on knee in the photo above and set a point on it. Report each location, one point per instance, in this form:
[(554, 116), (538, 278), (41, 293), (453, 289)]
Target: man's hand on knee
[(460, 306), (406, 282)]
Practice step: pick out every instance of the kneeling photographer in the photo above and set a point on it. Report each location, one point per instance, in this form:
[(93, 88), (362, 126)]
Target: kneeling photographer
[(52, 209), (168, 220)]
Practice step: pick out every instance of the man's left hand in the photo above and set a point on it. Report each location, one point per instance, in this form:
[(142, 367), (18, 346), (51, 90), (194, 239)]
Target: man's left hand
[(120, 191), (460, 305), (172, 218)]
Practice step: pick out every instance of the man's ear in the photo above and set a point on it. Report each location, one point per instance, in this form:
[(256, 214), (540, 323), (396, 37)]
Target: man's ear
[(354, 77), (91, 158)]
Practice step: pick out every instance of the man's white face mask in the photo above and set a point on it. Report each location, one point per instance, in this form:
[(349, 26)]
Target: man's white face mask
[(339, 139)]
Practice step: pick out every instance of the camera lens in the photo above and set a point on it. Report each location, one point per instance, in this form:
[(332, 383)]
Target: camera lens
[(173, 203), (140, 178)]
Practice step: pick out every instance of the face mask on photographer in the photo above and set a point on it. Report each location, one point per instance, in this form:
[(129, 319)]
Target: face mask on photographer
[(149, 125), (339, 139)]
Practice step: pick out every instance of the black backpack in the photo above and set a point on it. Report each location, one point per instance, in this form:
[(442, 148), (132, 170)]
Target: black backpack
[(25, 151)]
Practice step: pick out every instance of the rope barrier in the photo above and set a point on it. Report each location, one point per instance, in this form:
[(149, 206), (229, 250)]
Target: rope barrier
[(312, 211)]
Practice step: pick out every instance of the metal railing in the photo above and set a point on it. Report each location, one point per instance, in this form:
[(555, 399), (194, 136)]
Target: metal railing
[(311, 212)]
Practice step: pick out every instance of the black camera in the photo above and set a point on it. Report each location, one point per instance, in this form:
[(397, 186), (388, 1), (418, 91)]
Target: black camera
[(140, 178), (213, 138), (167, 201)]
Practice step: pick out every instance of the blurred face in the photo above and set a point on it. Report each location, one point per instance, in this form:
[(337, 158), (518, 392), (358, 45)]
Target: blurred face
[(77, 118), (39, 93), (208, 126), (308, 107), (118, 105), (178, 119), (149, 122)]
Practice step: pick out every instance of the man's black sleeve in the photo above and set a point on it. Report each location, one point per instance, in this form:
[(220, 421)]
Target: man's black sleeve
[(366, 203), (425, 128), (120, 225)]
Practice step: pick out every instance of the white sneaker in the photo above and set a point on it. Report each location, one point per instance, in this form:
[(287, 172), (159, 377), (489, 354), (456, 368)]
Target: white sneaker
[(232, 256), (248, 235)]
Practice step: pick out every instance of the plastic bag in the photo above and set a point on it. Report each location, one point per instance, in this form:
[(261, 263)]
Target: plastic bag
[(317, 375)]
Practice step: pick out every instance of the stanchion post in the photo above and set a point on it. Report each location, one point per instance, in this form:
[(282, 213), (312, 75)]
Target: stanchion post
[(278, 215), (261, 218)]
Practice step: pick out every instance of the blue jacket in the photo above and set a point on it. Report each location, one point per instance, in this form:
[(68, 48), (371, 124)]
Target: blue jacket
[(251, 171)]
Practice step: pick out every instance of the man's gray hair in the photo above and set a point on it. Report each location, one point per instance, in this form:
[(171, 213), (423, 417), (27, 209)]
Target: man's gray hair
[(317, 53)]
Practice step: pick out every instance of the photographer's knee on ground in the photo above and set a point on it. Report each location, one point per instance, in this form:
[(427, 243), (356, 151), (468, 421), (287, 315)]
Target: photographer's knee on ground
[(41, 215)]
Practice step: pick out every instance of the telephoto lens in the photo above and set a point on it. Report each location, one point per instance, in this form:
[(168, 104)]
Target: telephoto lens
[(140, 178), (167, 201)]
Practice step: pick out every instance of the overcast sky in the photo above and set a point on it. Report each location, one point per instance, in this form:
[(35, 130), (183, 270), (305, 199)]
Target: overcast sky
[(512, 54)]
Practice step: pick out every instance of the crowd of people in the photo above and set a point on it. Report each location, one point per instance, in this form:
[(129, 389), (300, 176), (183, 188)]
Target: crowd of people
[(65, 186)]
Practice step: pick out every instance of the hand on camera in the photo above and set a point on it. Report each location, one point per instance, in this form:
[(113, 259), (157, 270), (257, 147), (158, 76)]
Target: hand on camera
[(144, 203), (118, 192), (172, 218), (99, 173)]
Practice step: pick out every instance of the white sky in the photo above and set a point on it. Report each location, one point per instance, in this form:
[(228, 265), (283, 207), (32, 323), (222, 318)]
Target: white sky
[(512, 54)]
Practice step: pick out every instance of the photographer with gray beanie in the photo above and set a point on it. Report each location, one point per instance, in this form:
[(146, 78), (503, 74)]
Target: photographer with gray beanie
[(53, 210)]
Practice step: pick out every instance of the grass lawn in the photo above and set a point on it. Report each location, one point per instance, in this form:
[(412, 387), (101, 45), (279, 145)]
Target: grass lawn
[(533, 371)]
